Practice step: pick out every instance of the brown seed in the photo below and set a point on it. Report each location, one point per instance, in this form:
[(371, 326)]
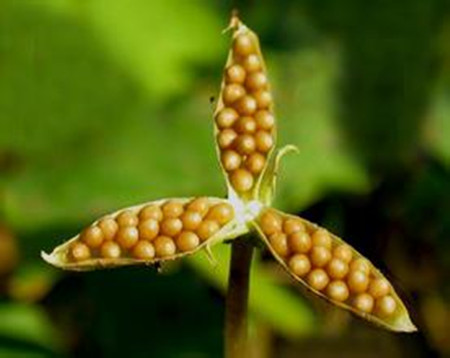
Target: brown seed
[(291, 225), (151, 212), (127, 236), (256, 81), (246, 105), (343, 252), (148, 229), (232, 92), (187, 241), (255, 162), (318, 279), (338, 291), (242, 180), (263, 98), (235, 74), (245, 144), (264, 120), (264, 141), (222, 213), (127, 218), (172, 209), (226, 137), (226, 118), (191, 219), (231, 160), (80, 251), (200, 205), (385, 306), (360, 264), (378, 287), (92, 236), (337, 268), (279, 243), (321, 237), (144, 250), (109, 228), (245, 125), (320, 256), (243, 45), (207, 229), (251, 63), (171, 227), (110, 250), (363, 302), (270, 222), (357, 281), (299, 264), (164, 246), (300, 242)]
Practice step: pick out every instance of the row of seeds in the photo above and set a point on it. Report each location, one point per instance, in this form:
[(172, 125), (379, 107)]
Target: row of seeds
[(245, 120), (156, 231), (328, 266)]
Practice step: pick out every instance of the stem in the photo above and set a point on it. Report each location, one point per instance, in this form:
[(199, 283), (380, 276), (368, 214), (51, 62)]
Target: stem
[(236, 305)]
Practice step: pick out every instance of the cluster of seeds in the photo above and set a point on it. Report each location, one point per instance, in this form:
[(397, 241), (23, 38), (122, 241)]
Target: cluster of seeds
[(244, 119), (155, 231), (327, 265)]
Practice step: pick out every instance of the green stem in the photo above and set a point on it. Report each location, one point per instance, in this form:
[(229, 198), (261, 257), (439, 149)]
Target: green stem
[(236, 305)]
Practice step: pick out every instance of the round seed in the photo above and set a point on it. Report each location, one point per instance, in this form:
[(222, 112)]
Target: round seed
[(245, 125), (148, 229), (300, 242), (92, 236), (171, 227), (144, 250), (164, 246), (226, 117), (343, 252), (246, 105), (360, 264), (263, 98), (299, 264), (226, 137), (378, 287), (291, 225), (151, 212), (110, 250), (127, 236), (338, 291), (231, 160), (80, 251), (264, 141), (245, 144), (320, 256), (357, 281), (172, 209), (279, 243), (200, 205), (264, 120), (242, 180), (222, 213), (235, 74), (109, 228), (363, 302), (321, 237), (270, 222), (232, 92), (243, 45), (207, 229), (191, 219), (256, 81), (385, 306), (187, 241), (255, 162), (337, 268), (317, 279), (251, 63), (127, 218)]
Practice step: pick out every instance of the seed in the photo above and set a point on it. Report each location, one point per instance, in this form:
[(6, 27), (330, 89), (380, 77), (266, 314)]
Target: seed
[(191, 219), (235, 73), (171, 227), (256, 81), (148, 229), (343, 252), (207, 229), (80, 251), (299, 264), (320, 256), (378, 287), (92, 236), (363, 302), (226, 117), (360, 264), (187, 241), (251, 63), (226, 137), (270, 222), (109, 228), (242, 180), (127, 218), (151, 212), (232, 92), (144, 250), (222, 213), (245, 125), (300, 242), (264, 141), (243, 45), (231, 160), (263, 98), (246, 105), (200, 205), (338, 291), (172, 209), (245, 144), (337, 268), (321, 237), (385, 306), (357, 281), (127, 236), (318, 279), (164, 246), (264, 120), (110, 250), (255, 162), (291, 225), (279, 243)]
